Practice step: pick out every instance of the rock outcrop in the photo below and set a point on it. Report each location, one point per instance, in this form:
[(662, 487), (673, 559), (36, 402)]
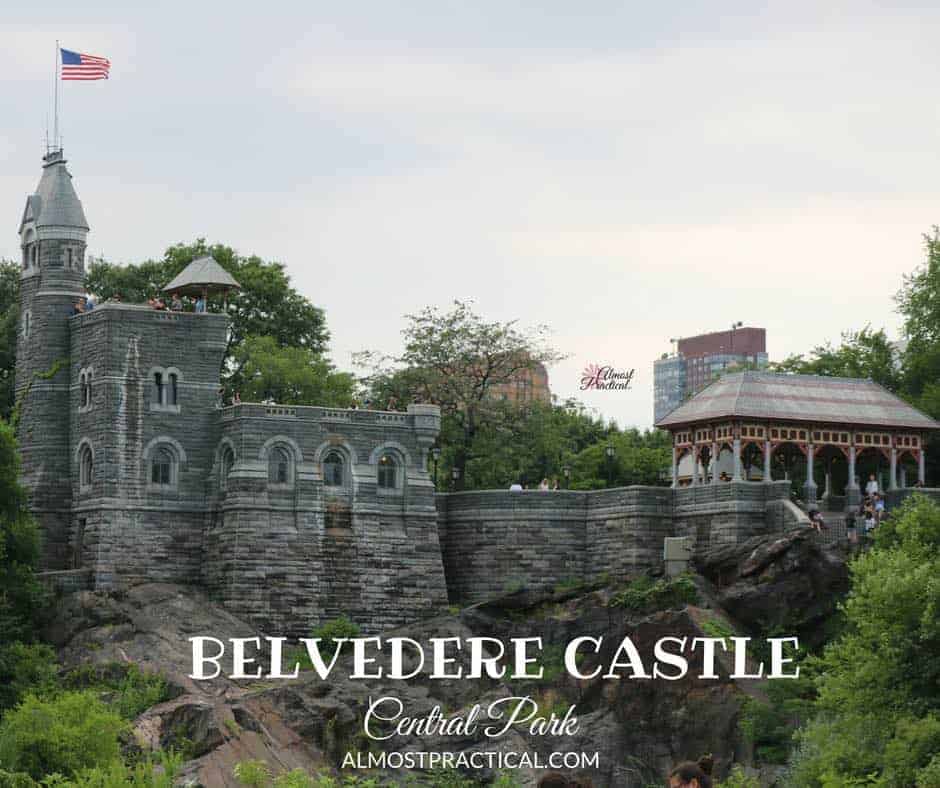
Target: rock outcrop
[(638, 727), (782, 583)]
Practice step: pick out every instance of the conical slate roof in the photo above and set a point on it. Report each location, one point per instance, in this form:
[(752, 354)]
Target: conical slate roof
[(204, 274), (809, 398), (55, 203)]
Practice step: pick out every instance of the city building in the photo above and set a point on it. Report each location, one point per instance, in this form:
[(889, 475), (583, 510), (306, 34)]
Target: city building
[(700, 359)]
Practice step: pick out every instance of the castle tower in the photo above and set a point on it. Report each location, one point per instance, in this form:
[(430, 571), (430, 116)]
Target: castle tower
[(52, 236)]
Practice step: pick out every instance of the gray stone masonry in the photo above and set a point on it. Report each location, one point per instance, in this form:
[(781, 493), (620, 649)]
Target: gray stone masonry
[(496, 540)]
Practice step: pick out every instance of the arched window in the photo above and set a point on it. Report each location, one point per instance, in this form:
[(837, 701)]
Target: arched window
[(172, 389), (161, 467), (333, 469), (84, 388), (278, 466), (158, 393), (68, 257), (35, 254), (27, 323), (85, 467), (228, 462), (388, 472)]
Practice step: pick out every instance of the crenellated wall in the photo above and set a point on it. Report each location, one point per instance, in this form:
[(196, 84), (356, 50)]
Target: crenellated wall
[(493, 541)]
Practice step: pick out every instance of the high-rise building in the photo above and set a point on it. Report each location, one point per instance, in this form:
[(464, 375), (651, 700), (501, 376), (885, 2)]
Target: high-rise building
[(700, 359)]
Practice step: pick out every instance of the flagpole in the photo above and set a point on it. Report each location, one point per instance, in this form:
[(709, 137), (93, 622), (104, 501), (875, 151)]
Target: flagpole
[(55, 132)]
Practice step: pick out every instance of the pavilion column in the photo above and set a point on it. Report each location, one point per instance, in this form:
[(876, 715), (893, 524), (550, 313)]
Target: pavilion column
[(902, 471), (675, 466), (853, 496), (809, 489), (768, 450), (737, 460), (922, 467), (694, 467), (893, 478), (828, 491), (714, 463)]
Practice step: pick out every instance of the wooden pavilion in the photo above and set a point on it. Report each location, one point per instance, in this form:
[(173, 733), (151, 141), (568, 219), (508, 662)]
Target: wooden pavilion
[(759, 415)]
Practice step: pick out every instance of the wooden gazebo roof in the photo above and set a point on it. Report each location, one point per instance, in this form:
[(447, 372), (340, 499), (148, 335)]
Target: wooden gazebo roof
[(768, 396)]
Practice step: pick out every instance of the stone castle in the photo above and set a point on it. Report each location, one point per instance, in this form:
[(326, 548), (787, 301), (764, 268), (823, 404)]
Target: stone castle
[(288, 515)]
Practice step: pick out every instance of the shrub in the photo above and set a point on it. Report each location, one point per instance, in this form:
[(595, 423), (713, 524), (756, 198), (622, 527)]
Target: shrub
[(644, 594), (25, 669), (65, 734), (329, 632)]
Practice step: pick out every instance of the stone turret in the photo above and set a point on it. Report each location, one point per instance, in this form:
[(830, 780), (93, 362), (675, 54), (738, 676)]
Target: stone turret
[(52, 236)]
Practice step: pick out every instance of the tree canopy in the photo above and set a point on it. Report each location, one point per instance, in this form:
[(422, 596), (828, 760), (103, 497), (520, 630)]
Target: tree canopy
[(878, 711), (458, 360), (267, 305)]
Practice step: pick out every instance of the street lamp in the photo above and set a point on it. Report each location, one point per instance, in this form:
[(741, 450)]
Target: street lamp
[(455, 474), (436, 456), (610, 452), (734, 326), (567, 472)]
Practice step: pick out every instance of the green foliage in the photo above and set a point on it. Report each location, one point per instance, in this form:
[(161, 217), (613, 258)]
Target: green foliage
[(158, 771), (25, 668), (328, 632), (64, 734), (22, 598), (862, 354), (9, 313), (127, 689), (879, 683), (253, 773), (716, 628), (289, 375), (770, 726), (644, 594), (266, 306), (738, 779), (459, 361)]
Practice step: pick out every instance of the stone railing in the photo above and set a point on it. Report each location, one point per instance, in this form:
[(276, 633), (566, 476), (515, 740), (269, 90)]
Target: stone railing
[(415, 417)]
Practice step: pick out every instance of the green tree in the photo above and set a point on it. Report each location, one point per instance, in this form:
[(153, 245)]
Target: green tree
[(9, 313), (458, 360), (878, 712), (290, 375), (64, 734), (21, 596), (267, 305), (861, 354)]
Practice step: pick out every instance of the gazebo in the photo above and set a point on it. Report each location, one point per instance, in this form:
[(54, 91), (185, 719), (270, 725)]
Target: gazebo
[(203, 277), (762, 415)]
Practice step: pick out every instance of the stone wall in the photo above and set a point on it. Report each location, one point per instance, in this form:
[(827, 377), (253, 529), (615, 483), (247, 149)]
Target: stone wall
[(727, 512), (290, 556), (124, 526), (494, 541)]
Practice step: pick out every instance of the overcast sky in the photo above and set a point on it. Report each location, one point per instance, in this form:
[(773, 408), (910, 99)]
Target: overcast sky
[(624, 172)]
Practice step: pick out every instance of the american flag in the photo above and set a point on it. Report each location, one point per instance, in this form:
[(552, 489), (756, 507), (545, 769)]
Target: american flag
[(76, 65)]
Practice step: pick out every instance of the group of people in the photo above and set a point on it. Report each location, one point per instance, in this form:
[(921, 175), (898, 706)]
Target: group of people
[(176, 304), (544, 486)]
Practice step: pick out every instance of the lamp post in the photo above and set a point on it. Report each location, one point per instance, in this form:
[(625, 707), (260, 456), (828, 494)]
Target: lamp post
[(567, 472), (610, 452), (436, 456), (734, 326), (455, 475)]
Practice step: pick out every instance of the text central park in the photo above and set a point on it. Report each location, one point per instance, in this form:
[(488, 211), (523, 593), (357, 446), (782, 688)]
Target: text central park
[(476, 657)]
